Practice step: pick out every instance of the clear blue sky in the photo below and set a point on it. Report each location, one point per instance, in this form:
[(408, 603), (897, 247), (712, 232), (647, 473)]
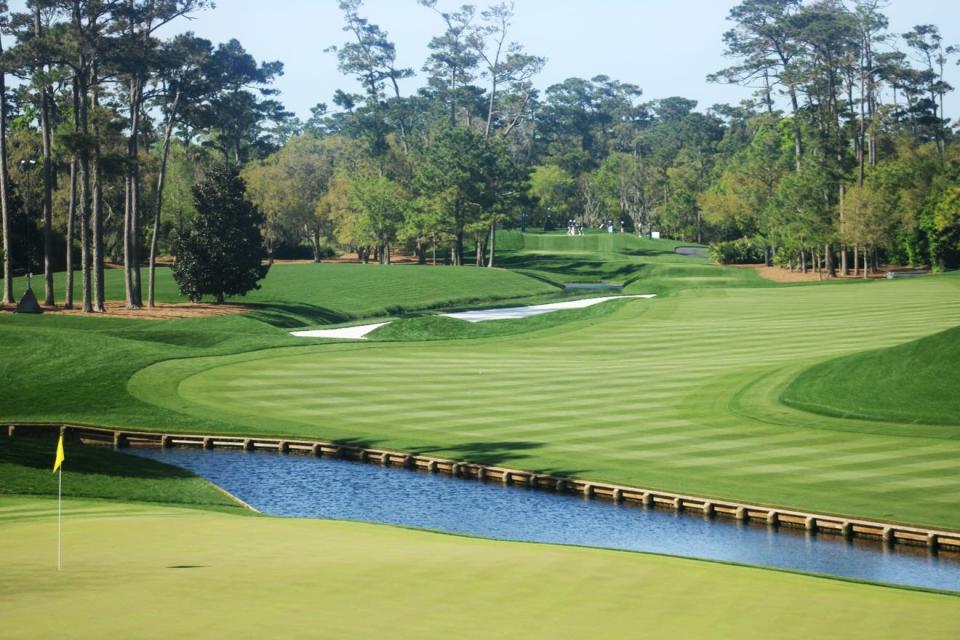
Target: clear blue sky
[(667, 47)]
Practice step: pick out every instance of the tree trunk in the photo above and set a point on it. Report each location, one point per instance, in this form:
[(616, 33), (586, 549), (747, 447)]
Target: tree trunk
[(81, 126), (844, 267), (797, 135), (97, 207), (803, 261), (71, 214), (492, 245), (161, 181), (131, 226), (48, 297), (316, 244), (4, 193), (856, 261), (828, 260), (458, 249)]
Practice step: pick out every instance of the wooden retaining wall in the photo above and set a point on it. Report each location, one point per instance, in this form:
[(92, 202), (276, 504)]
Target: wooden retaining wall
[(890, 533)]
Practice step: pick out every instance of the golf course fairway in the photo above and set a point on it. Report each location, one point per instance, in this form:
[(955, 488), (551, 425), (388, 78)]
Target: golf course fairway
[(679, 393), (154, 571)]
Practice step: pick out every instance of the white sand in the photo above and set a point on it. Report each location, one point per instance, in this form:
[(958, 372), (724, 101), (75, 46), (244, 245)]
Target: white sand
[(358, 332), (513, 313)]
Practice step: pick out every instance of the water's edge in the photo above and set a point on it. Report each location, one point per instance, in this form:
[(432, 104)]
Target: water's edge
[(301, 486)]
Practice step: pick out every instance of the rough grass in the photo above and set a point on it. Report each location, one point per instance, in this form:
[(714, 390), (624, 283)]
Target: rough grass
[(679, 393), (913, 382), (26, 469), (164, 572)]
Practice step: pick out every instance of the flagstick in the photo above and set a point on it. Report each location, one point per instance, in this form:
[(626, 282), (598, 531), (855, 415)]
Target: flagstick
[(59, 514)]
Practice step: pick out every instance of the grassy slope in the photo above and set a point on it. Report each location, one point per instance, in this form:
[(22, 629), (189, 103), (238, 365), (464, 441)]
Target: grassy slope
[(293, 295), (913, 382), (678, 393), (76, 368), (163, 572), (641, 265), (25, 469)]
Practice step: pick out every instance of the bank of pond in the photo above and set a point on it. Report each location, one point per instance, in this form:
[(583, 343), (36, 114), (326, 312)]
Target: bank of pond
[(309, 487)]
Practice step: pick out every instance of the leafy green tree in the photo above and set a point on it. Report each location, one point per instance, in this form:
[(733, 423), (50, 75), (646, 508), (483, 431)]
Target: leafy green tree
[(554, 189), (288, 185), (455, 171), (380, 205), (221, 253)]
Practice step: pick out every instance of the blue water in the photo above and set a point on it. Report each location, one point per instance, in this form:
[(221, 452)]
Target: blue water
[(304, 486)]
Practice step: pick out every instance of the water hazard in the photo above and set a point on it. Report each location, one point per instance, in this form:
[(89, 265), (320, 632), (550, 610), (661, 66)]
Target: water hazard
[(303, 486)]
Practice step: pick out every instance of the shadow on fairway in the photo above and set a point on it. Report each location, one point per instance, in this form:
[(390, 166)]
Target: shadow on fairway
[(291, 316), (493, 454), (570, 267), (360, 443), (486, 453), (37, 453)]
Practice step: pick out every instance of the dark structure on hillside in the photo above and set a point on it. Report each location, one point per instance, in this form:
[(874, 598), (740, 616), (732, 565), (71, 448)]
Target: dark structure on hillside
[(28, 303)]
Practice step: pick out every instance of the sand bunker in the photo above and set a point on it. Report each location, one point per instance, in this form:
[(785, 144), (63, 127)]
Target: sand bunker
[(358, 332), (513, 313)]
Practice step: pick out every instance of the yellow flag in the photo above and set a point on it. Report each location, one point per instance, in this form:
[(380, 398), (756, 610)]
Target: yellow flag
[(59, 459)]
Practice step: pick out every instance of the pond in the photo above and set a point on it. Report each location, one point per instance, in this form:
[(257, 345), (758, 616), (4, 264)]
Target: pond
[(308, 487)]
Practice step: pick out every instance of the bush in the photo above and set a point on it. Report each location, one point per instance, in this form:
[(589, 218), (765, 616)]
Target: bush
[(740, 251)]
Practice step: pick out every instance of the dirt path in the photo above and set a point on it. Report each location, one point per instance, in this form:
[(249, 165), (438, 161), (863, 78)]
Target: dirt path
[(160, 312), (778, 274)]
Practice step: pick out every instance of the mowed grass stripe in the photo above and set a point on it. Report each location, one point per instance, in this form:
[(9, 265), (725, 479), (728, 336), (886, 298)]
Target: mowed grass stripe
[(315, 578), (647, 395)]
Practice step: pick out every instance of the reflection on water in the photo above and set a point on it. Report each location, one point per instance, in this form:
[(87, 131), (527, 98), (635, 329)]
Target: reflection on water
[(303, 486)]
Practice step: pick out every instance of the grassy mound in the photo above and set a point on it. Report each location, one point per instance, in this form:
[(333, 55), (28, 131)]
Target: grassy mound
[(25, 469), (297, 294), (435, 327), (164, 572), (913, 382)]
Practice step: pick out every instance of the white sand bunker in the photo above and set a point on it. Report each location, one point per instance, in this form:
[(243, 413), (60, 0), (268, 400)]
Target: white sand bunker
[(361, 331), (358, 332), (514, 313)]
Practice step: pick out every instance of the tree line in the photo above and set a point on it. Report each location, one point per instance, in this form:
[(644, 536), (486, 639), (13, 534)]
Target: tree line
[(840, 156)]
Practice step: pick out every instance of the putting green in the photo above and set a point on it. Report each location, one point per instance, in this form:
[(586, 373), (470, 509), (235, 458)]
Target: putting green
[(679, 394), (137, 571)]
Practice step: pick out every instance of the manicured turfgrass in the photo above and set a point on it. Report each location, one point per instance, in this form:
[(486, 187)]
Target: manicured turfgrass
[(26, 469), (679, 393), (164, 572), (914, 382), (297, 294), (640, 264)]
